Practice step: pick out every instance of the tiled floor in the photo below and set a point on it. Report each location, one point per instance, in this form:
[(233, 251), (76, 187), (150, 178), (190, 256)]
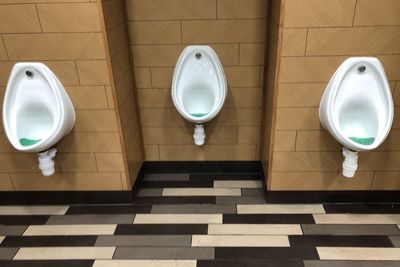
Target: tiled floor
[(204, 220)]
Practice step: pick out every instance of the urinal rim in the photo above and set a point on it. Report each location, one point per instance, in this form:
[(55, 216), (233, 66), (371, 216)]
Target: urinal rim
[(222, 83), (54, 83), (333, 89)]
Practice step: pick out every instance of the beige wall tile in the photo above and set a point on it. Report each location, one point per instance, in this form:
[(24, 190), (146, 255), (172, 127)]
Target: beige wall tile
[(155, 32), (58, 46), (3, 52), (320, 181), (156, 55), (353, 41), (93, 72), (155, 98), (297, 119), (284, 140), (161, 117), (110, 162), (208, 152), (71, 17), (120, 63), (6, 182), (252, 54), (90, 142), (88, 97), (370, 12), (396, 95), (68, 181), (244, 97), (13, 163), (243, 76), (228, 54), (124, 88), (308, 69), (391, 64), (306, 161), (142, 77), (386, 181), (223, 31), (151, 152), (237, 116), (110, 97), (249, 135), (316, 141), (318, 13), (380, 161), (294, 42), (171, 10), (392, 142), (162, 77), (114, 12), (293, 94), (19, 19), (117, 39), (95, 121), (247, 9), (75, 162)]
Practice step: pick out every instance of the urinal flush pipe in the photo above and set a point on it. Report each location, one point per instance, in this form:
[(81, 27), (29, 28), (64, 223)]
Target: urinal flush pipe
[(350, 162), (199, 134), (46, 161)]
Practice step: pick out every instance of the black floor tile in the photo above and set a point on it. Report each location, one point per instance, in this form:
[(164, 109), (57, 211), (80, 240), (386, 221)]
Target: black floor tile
[(23, 219), (269, 218), (48, 241), (223, 176), (47, 263), (339, 241), (298, 253), (176, 184), (161, 229), (363, 208), (108, 209), (250, 263), (176, 200)]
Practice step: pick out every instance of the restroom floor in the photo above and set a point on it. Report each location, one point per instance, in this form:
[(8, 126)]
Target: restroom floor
[(205, 220)]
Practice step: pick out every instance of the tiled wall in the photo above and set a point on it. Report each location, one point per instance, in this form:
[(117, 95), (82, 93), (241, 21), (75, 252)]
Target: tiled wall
[(159, 31), (121, 63), (68, 37), (317, 36)]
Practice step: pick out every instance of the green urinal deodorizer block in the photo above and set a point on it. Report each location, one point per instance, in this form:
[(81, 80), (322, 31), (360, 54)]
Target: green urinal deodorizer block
[(28, 142), (198, 115), (363, 140)]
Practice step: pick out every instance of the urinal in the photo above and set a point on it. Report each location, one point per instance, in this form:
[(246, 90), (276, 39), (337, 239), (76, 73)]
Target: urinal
[(37, 112), (357, 108), (199, 87)]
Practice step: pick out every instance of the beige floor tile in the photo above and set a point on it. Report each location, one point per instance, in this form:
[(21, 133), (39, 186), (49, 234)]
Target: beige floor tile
[(144, 263), (201, 192), (357, 218), (240, 241), (76, 229), (351, 253), (33, 210), (53, 253), (280, 208), (178, 218), (254, 229), (238, 184), (1, 238)]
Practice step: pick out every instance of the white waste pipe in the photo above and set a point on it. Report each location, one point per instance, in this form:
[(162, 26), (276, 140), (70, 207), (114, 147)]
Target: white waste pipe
[(350, 162), (199, 134), (46, 161)]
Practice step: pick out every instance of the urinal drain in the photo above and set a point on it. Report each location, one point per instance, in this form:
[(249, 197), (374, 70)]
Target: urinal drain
[(29, 73)]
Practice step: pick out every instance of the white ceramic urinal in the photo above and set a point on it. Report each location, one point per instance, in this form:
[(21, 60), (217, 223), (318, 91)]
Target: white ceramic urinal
[(357, 108), (37, 112), (198, 87)]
